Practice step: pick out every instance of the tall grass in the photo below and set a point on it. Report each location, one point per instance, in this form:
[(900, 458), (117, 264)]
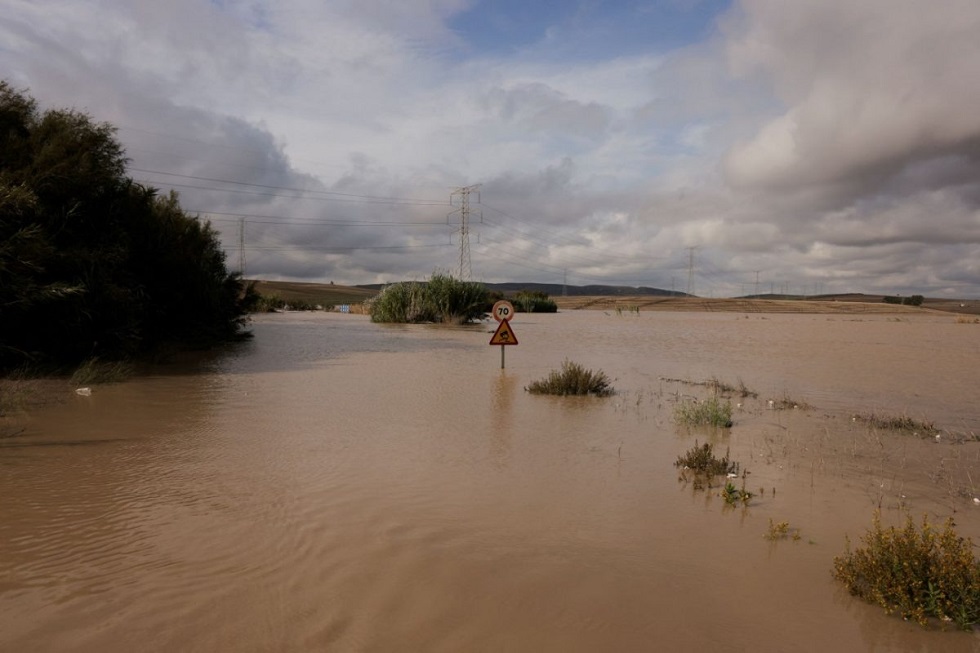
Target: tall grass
[(442, 299), (534, 301), (456, 301), (707, 412), (572, 379)]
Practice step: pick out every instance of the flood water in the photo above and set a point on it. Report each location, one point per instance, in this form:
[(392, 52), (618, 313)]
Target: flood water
[(336, 485)]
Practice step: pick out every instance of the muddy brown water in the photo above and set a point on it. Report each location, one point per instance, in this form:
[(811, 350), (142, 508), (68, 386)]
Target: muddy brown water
[(335, 485)]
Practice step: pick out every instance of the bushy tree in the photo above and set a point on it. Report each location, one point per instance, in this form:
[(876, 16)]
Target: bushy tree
[(93, 264)]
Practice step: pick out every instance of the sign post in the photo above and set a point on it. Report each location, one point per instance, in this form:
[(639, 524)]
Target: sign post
[(503, 311)]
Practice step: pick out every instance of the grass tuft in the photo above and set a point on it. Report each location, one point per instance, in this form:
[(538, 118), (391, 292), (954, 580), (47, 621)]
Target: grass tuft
[(920, 573), (707, 412), (572, 379)]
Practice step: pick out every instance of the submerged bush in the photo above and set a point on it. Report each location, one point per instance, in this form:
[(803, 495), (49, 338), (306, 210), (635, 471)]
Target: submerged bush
[(455, 301), (702, 459), (534, 301), (442, 299), (709, 412), (919, 573), (572, 379)]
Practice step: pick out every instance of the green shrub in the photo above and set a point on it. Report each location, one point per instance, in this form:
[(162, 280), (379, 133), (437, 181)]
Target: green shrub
[(455, 301), (919, 573), (708, 412), (534, 301), (442, 299), (572, 379), (274, 302)]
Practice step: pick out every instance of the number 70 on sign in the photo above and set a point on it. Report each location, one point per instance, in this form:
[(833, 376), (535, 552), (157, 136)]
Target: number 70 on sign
[(502, 311)]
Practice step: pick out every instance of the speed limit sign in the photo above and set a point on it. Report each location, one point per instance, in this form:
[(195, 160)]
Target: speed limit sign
[(503, 311)]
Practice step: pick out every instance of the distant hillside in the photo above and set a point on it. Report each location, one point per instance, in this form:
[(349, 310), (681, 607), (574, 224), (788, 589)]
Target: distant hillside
[(644, 298), (557, 290)]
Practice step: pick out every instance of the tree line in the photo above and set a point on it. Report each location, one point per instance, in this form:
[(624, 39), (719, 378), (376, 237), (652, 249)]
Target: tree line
[(94, 265)]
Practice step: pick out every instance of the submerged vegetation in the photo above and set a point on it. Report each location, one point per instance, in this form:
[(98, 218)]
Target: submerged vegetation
[(92, 263), (573, 379), (920, 573), (534, 301), (706, 412), (701, 462), (719, 387), (702, 459), (781, 531), (442, 299), (902, 423)]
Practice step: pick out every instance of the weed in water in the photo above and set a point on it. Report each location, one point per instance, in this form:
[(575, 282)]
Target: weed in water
[(701, 459), (720, 387), (898, 423), (921, 573), (734, 496), (781, 531), (788, 403), (572, 379), (707, 412)]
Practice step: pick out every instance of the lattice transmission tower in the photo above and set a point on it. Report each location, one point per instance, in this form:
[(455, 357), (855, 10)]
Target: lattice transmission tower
[(460, 198)]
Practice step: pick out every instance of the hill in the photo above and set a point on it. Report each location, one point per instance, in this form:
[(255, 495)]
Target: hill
[(598, 297)]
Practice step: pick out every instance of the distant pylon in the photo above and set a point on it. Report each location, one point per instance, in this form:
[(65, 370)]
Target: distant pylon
[(241, 247), (690, 271), (461, 198)]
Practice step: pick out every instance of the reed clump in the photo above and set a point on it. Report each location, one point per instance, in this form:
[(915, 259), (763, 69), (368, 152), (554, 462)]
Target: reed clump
[(706, 412), (442, 299), (573, 379), (534, 301), (922, 573)]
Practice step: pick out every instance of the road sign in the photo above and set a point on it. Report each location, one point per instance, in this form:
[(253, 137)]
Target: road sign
[(504, 335), (502, 311)]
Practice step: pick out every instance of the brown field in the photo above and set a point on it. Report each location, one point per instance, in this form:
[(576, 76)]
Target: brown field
[(843, 304), (325, 294)]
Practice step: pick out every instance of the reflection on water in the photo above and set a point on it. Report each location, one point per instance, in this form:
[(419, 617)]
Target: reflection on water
[(338, 485)]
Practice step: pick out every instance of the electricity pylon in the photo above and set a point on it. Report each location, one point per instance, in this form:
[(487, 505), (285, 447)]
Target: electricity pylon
[(461, 198)]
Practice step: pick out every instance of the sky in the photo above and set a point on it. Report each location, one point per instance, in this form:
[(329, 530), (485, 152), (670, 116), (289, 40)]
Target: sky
[(718, 147)]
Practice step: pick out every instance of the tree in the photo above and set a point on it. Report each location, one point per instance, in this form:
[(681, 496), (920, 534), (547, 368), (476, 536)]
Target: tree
[(93, 264)]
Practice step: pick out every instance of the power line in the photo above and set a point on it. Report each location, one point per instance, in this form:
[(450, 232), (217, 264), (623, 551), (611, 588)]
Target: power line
[(349, 196)]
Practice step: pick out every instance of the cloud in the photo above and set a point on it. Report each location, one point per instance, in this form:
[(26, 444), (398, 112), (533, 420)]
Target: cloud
[(870, 88), (832, 144)]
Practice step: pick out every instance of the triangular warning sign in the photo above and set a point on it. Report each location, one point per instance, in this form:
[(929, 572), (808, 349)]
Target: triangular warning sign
[(504, 335)]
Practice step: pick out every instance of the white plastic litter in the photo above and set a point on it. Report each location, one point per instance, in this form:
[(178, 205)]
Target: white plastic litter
[(85, 392)]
